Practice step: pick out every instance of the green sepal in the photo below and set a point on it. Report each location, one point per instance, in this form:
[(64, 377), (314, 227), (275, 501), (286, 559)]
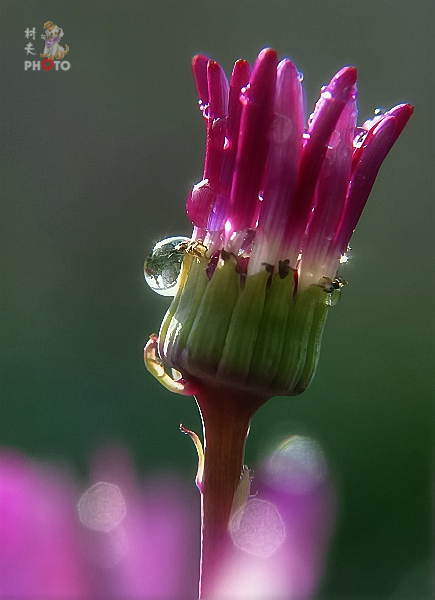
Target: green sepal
[(184, 316), (325, 300), (296, 338), (244, 329), (270, 341), (184, 274), (206, 340)]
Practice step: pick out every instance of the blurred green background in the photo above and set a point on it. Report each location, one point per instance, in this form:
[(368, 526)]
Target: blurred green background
[(97, 162)]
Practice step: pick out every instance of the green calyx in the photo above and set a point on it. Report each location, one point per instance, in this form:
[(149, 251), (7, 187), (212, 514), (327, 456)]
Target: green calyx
[(251, 332)]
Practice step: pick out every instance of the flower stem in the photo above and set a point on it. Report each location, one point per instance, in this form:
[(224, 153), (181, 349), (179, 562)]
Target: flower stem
[(226, 416)]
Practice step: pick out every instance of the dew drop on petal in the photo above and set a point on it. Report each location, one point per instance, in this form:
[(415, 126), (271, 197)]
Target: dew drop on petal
[(334, 140), (205, 109), (246, 95), (101, 507), (360, 136), (281, 128), (259, 530), (200, 202), (162, 268), (300, 76)]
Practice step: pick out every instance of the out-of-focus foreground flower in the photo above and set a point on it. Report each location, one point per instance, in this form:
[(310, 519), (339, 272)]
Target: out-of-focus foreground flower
[(117, 539)]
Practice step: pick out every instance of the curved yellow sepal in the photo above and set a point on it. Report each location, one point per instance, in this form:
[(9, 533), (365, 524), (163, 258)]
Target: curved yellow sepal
[(156, 368), (195, 439)]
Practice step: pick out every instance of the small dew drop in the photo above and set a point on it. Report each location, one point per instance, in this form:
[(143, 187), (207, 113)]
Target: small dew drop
[(204, 108), (282, 127), (379, 111), (300, 76), (200, 202), (360, 136), (326, 95), (246, 96), (162, 268), (334, 140)]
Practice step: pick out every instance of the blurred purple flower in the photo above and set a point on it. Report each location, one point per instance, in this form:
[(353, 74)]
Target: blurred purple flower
[(117, 539), (149, 549)]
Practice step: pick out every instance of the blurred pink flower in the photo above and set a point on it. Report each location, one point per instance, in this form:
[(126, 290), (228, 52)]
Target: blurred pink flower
[(132, 542), (120, 539)]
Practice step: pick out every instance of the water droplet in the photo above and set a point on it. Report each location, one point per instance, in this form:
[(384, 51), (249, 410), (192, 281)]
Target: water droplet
[(300, 76), (257, 528), (360, 136), (163, 266), (345, 258), (326, 95), (334, 140), (246, 96), (282, 127), (217, 132), (200, 202), (379, 111), (204, 108), (102, 507)]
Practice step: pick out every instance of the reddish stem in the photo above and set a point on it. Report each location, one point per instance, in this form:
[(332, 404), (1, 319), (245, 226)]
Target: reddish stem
[(226, 415)]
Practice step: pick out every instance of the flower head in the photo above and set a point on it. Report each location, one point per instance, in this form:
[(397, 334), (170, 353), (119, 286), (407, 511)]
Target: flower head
[(272, 216)]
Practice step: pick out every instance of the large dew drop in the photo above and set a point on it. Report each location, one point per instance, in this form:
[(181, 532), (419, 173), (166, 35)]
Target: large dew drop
[(162, 268)]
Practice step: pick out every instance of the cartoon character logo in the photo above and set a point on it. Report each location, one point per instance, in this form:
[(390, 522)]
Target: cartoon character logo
[(53, 50)]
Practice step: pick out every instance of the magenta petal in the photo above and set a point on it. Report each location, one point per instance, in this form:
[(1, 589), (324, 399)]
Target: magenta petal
[(378, 143), (199, 66), (402, 113), (328, 110), (239, 80), (285, 150), (256, 120), (218, 90), (331, 187)]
